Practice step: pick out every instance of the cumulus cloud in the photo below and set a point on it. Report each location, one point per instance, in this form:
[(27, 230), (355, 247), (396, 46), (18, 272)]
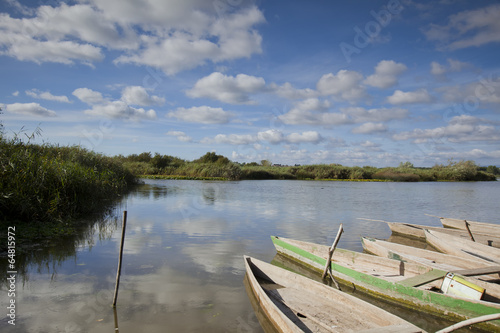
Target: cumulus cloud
[(369, 128), (410, 97), (288, 91), (170, 35), (344, 85), (386, 74), (453, 66), (137, 95), (460, 129), (35, 93), (89, 96), (227, 89), (468, 28), (201, 114), (181, 136), (271, 136), (314, 112), (29, 109), (117, 109), (120, 110)]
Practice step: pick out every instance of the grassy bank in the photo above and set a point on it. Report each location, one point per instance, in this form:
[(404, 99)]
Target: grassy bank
[(213, 166), (46, 187)]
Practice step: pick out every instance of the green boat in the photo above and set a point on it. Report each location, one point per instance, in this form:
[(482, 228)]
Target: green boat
[(405, 283)]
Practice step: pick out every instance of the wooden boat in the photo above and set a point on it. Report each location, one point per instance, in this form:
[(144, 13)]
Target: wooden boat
[(417, 231), (475, 227), (462, 247), (294, 303), (400, 282), (466, 267)]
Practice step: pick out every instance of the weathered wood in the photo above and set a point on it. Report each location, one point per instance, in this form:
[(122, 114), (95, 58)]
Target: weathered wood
[(479, 271), (476, 227), (331, 250), (380, 277), (304, 305), (422, 279), (469, 322), (440, 261), (462, 247), (119, 270)]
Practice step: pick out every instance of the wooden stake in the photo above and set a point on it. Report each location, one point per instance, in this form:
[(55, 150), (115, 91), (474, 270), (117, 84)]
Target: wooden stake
[(119, 270), (468, 229), (330, 253)]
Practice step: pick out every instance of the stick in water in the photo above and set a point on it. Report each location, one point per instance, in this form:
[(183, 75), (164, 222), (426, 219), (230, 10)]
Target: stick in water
[(330, 253), (118, 272)]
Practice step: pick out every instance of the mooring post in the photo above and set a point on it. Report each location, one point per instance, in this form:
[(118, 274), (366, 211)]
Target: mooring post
[(119, 270)]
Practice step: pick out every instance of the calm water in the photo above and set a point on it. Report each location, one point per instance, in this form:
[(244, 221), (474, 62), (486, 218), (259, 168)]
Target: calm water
[(183, 269)]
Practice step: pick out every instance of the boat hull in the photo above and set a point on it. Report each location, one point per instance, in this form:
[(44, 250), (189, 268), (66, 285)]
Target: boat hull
[(446, 306)]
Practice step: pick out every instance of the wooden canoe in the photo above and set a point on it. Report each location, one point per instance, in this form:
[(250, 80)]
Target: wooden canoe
[(462, 247), (475, 227), (294, 303), (392, 280), (417, 231), (471, 268)]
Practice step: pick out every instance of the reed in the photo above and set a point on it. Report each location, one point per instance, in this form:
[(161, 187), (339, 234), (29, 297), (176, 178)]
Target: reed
[(43, 183)]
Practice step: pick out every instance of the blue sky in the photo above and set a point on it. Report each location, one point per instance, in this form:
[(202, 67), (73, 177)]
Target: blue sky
[(355, 83)]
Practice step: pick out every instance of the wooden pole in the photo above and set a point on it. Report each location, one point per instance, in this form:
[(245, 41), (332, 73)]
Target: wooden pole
[(330, 253), (468, 229), (119, 270)]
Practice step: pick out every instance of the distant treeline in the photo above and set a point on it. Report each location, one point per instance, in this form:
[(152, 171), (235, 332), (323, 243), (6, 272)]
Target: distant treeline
[(218, 166)]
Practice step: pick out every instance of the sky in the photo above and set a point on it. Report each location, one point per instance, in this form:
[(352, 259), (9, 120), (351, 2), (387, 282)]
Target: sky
[(293, 82)]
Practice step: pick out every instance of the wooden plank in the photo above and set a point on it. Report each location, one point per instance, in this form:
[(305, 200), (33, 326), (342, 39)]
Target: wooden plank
[(422, 279), (479, 271)]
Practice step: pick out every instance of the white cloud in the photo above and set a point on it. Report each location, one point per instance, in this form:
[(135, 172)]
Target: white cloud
[(117, 109), (368, 128), (271, 136), (453, 66), (313, 112), (201, 114), (386, 74), (206, 38), (304, 137), (47, 96), (137, 95), (460, 129), (437, 69), (181, 136), (15, 93), (171, 35), (468, 28), (89, 96), (30, 109), (288, 91), (410, 97), (227, 89), (345, 85), (120, 110)]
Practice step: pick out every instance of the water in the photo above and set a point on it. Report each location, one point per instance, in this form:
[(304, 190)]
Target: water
[(183, 269)]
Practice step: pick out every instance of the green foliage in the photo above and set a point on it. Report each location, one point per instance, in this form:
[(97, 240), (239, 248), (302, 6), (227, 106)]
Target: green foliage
[(212, 157), (49, 183)]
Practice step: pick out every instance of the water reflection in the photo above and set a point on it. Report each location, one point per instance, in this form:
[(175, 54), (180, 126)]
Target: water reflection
[(182, 265)]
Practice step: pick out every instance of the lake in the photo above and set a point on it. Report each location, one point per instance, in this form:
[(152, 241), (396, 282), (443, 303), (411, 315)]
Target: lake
[(183, 267)]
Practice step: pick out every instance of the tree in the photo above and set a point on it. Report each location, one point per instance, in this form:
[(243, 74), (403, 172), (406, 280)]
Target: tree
[(265, 163)]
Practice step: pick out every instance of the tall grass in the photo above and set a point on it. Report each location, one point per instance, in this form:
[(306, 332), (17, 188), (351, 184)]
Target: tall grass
[(41, 183)]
